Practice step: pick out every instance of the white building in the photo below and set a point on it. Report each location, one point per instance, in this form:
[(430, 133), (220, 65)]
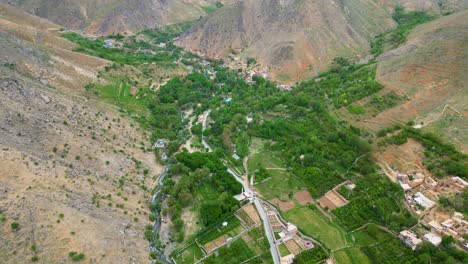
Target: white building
[(405, 186), (410, 239), (433, 239), (460, 181), (423, 201), (436, 226)]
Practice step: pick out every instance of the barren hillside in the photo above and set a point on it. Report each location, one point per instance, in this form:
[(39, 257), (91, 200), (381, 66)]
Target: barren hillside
[(298, 38), (74, 174), (428, 70), (105, 17)]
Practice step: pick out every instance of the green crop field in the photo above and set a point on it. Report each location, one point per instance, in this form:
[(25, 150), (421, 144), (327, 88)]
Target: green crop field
[(266, 159), (351, 256), (189, 255), (283, 250), (118, 92), (236, 252), (279, 185), (313, 223), (232, 229)]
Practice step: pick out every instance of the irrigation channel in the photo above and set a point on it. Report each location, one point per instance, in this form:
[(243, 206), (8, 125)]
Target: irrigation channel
[(157, 200)]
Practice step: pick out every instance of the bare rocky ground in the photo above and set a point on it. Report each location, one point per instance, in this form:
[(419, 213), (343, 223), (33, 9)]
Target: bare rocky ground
[(75, 175)]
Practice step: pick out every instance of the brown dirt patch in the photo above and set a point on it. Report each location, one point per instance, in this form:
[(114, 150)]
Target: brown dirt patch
[(303, 197), (275, 223), (252, 212), (283, 206), (293, 247), (332, 200), (210, 246), (406, 157)]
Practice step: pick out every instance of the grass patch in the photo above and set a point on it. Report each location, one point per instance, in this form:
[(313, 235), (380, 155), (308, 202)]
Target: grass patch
[(97, 48), (189, 255), (380, 103), (312, 222), (311, 256), (280, 185), (265, 159), (284, 77), (283, 250), (351, 256), (232, 229), (406, 21), (234, 253), (208, 8), (267, 165), (117, 91), (382, 247)]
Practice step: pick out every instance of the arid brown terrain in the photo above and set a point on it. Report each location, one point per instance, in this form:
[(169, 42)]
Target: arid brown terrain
[(106, 17), (428, 70), (75, 175), (296, 39)]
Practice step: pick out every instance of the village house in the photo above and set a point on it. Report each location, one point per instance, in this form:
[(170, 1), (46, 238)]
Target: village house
[(243, 195), (460, 182), (290, 231), (455, 226), (433, 239), (436, 227), (423, 201), (410, 239), (430, 183)]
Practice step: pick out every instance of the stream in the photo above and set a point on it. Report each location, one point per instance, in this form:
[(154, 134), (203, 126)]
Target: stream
[(157, 225)]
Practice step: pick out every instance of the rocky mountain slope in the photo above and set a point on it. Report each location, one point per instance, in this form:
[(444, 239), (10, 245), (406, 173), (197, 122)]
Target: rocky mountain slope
[(110, 16), (74, 173), (298, 38), (428, 72)]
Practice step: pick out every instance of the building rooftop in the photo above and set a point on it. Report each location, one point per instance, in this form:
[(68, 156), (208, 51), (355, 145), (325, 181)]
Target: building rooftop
[(447, 223), (410, 239), (433, 239), (405, 186), (423, 200), (460, 181), (435, 225)]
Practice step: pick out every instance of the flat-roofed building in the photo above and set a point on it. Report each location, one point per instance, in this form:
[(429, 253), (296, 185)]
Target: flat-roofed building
[(433, 239), (410, 239)]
